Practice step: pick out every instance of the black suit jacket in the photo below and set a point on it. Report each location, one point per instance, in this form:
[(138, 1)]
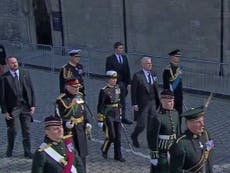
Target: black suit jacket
[(122, 70), (141, 90), (8, 91)]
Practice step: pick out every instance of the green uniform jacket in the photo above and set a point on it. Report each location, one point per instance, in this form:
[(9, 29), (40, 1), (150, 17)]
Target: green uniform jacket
[(109, 96), (43, 163), (188, 151), (165, 123), (67, 109)]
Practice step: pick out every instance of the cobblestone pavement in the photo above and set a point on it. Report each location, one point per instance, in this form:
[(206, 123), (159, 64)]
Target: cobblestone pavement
[(46, 87)]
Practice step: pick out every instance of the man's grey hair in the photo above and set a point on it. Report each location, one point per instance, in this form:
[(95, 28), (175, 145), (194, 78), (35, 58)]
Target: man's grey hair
[(145, 58)]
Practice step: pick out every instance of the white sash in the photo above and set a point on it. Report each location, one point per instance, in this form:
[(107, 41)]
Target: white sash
[(55, 155)]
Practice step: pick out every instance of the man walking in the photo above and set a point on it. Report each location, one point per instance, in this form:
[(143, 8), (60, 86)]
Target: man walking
[(18, 104), (144, 95), (73, 69), (56, 153), (192, 151)]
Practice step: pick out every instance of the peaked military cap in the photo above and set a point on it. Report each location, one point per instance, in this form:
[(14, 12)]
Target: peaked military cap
[(167, 94), (76, 52), (194, 113), (73, 82), (52, 121), (175, 53), (111, 74)]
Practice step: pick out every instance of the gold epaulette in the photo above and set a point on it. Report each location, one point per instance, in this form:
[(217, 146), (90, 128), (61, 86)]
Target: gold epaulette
[(67, 136), (60, 96), (178, 140), (42, 148), (168, 67)]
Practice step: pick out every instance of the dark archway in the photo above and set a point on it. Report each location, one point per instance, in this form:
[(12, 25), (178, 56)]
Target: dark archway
[(42, 22)]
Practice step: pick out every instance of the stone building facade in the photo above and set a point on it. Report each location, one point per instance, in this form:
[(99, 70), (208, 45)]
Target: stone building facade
[(150, 26)]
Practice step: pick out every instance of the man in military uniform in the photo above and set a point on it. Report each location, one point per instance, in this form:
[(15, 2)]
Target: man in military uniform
[(72, 70), (109, 115), (56, 154), (162, 130), (70, 106), (191, 152), (172, 79)]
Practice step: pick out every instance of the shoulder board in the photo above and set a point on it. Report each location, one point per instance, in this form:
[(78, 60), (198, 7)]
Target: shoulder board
[(67, 136), (178, 140), (43, 146), (64, 65), (167, 67), (60, 96), (105, 87)]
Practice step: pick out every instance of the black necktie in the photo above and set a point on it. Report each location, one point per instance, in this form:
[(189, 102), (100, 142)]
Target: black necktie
[(149, 78), (120, 59), (15, 75)]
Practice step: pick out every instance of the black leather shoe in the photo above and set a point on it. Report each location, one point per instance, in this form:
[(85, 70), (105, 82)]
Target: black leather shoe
[(120, 159), (126, 121), (28, 155), (135, 141)]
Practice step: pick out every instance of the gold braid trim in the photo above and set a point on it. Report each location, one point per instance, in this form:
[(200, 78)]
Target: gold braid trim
[(173, 77), (154, 154), (67, 106), (67, 136), (203, 158), (180, 138)]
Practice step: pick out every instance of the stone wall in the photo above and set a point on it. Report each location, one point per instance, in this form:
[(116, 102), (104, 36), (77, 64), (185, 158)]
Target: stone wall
[(153, 27)]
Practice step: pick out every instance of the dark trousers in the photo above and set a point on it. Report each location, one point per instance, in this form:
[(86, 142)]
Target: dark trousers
[(113, 135), (148, 110), (178, 105), (23, 117), (124, 93)]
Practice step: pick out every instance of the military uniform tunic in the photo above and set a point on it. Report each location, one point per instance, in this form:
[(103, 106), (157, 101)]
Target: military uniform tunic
[(43, 163), (172, 80), (109, 107), (71, 108), (191, 154), (162, 131), (70, 71)]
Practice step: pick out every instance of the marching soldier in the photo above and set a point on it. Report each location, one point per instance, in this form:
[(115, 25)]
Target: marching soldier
[(109, 112), (162, 130), (191, 152), (72, 70), (70, 107), (56, 154)]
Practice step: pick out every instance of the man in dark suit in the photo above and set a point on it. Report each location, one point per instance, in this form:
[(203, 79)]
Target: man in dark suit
[(144, 95), (2, 59), (119, 63), (18, 104)]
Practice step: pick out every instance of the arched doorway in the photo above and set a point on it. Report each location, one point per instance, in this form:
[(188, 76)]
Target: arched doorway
[(42, 22)]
